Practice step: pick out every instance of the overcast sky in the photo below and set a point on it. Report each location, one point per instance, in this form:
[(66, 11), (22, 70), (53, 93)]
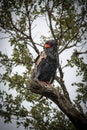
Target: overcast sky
[(69, 74)]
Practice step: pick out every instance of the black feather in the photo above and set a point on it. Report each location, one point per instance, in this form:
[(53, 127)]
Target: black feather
[(46, 64)]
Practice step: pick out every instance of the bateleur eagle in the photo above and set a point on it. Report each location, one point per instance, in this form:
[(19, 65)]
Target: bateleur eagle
[(46, 63)]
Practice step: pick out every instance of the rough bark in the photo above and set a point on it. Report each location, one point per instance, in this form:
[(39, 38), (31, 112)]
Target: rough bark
[(76, 117)]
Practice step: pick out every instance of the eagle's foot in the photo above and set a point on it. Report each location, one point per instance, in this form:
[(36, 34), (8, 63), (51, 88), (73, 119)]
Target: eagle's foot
[(45, 84), (42, 83), (39, 82)]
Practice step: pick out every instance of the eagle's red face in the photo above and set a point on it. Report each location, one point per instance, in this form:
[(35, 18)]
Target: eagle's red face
[(47, 45)]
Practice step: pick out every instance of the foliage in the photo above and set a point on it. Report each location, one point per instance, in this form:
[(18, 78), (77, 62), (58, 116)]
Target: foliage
[(82, 71), (67, 22)]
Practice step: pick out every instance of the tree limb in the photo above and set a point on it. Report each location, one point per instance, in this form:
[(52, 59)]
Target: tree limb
[(61, 101), (29, 29), (49, 12), (46, 91)]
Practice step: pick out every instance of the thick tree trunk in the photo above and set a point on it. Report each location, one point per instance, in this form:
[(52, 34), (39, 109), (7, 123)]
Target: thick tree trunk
[(76, 117)]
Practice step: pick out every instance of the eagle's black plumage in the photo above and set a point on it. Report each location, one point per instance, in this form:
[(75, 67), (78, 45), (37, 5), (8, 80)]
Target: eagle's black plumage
[(46, 63)]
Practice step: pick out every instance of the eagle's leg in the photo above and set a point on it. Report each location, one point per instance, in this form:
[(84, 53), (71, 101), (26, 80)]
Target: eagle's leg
[(42, 83)]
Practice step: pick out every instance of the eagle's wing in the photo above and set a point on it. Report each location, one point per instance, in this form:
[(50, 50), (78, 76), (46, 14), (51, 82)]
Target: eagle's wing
[(37, 62)]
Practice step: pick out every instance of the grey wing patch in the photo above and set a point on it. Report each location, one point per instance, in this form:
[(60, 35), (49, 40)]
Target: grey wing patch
[(37, 62)]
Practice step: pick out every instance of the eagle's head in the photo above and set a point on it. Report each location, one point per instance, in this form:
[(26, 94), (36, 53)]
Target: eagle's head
[(51, 47)]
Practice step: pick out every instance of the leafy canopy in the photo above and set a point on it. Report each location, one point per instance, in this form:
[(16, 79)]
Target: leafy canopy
[(67, 22)]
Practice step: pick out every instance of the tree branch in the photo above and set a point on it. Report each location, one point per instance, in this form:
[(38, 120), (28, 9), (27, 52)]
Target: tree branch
[(49, 12), (29, 29), (46, 91), (61, 81), (61, 101)]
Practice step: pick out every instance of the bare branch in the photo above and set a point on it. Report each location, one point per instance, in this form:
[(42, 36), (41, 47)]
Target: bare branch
[(66, 45), (29, 29), (49, 12), (61, 81)]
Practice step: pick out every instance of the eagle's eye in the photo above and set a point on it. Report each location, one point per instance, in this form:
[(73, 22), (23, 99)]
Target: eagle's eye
[(47, 45)]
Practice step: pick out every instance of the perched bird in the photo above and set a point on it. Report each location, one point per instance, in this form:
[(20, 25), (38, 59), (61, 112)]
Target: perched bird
[(46, 63)]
